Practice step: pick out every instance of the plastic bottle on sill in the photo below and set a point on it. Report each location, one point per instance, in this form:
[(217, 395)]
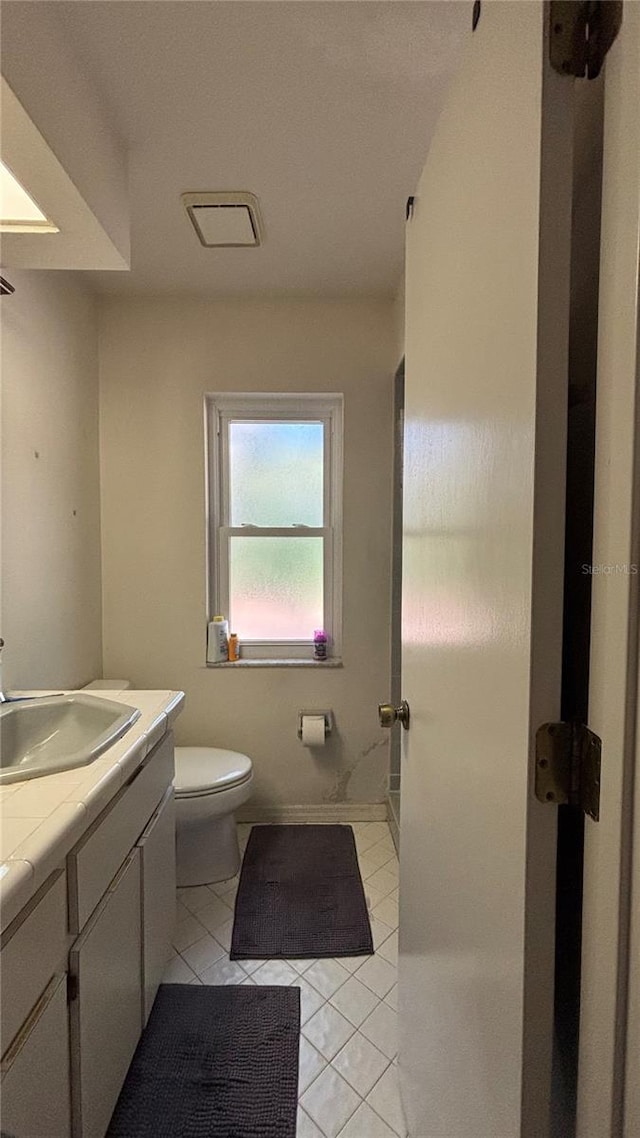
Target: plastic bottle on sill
[(218, 640), (234, 648)]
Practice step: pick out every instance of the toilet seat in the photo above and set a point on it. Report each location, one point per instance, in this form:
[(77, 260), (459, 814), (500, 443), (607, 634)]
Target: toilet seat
[(204, 771)]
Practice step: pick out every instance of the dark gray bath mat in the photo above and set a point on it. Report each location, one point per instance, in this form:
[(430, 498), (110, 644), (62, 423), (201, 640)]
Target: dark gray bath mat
[(300, 894), (214, 1062)]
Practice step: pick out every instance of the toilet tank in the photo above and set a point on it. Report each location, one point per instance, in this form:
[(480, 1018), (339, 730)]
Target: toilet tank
[(108, 685)]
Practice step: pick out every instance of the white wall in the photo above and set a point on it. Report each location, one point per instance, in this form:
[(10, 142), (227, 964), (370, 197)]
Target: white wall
[(157, 359), (51, 596)]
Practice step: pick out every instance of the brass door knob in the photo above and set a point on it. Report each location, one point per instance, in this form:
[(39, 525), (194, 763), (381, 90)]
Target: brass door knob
[(388, 714)]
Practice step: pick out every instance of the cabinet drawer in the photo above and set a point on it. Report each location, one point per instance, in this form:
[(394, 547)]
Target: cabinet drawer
[(96, 859), (35, 1071), (34, 946)]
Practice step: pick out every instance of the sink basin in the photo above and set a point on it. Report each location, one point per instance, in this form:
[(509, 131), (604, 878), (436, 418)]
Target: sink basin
[(57, 733)]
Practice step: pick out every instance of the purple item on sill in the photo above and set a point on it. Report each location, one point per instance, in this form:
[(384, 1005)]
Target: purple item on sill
[(320, 644)]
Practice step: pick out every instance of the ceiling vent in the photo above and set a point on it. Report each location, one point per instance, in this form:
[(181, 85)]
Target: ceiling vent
[(225, 220)]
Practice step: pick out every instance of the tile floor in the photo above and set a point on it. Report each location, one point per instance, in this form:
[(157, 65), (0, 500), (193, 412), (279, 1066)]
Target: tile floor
[(348, 1076)]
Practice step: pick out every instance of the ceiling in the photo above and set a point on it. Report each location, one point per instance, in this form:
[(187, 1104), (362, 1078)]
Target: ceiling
[(324, 110)]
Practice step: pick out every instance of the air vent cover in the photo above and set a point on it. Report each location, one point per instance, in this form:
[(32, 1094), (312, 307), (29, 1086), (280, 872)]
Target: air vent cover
[(225, 220)]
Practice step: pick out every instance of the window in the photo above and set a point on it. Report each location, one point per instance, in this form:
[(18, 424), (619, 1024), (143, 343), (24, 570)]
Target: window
[(275, 505)]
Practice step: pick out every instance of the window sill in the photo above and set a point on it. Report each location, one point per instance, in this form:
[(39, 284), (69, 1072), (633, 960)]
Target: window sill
[(334, 662)]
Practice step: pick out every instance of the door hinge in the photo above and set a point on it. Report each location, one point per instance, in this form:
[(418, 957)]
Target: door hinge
[(581, 33), (72, 988), (568, 766)]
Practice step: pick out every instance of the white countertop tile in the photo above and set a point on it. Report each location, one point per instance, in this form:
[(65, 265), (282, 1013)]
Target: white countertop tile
[(42, 818)]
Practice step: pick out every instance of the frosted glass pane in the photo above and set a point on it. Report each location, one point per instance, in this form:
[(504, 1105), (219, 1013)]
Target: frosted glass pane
[(276, 472), (275, 587)]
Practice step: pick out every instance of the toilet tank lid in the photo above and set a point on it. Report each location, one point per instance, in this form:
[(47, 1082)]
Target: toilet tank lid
[(108, 685), (209, 768)]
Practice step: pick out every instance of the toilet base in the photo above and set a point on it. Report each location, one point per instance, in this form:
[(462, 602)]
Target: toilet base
[(207, 850)]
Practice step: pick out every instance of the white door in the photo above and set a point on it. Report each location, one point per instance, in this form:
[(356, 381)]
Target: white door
[(486, 374), (609, 963)]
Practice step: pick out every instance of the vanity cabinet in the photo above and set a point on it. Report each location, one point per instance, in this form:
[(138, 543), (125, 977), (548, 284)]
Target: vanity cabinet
[(106, 979), (35, 1070), (158, 897), (82, 963)]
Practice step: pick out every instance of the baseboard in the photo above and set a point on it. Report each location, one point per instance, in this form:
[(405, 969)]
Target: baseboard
[(325, 812)]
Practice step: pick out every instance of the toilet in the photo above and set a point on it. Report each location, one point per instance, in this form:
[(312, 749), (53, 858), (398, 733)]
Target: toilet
[(210, 784)]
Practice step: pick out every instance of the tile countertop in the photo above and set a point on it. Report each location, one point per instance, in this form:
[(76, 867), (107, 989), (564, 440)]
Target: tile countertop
[(41, 819)]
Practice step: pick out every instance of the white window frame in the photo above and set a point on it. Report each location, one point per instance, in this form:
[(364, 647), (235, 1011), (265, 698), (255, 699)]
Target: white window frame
[(220, 410)]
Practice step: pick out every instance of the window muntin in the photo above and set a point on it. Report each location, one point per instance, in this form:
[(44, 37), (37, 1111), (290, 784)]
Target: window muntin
[(275, 472)]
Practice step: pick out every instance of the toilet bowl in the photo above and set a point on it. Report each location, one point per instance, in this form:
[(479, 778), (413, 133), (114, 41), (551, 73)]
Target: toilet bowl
[(210, 784)]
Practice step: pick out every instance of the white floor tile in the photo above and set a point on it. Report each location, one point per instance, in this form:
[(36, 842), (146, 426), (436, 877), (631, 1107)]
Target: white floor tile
[(378, 975), (330, 1102), (327, 976), (251, 966), (386, 911), (223, 933), (178, 972), (392, 998), (389, 949), (214, 914), (381, 1028), (366, 867), (310, 1066), (310, 999), (329, 1031), (181, 911), (374, 896), (383, 881), (365, 1123), (187, 932), (360, 1063), (224, 972), (301, 964), (203, 953), (351, 963), (275, 972), (385, 1100), (306, 1127), (348, 1004), (379, 931), (354, 1001), (380, 830), (378, 854), (195, 898)]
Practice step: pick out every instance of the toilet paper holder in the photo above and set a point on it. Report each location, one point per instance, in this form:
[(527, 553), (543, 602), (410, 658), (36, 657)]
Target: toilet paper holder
[(328, 720)]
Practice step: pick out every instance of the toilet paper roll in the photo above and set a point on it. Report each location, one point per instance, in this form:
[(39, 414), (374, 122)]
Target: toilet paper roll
[(313, 731)]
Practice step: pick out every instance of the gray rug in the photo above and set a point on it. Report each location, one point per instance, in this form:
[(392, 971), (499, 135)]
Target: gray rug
[(300, 894), (214, 1063)]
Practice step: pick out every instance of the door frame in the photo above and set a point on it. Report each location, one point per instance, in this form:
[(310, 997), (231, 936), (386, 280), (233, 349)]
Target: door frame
[(610, 1012)]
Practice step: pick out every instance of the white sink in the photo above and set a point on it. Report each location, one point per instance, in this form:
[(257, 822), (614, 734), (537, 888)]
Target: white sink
[(57, 733)]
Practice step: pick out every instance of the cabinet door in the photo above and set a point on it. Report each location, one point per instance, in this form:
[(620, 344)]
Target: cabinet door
[(158, 871), (35, 1071), (106, 1013)]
